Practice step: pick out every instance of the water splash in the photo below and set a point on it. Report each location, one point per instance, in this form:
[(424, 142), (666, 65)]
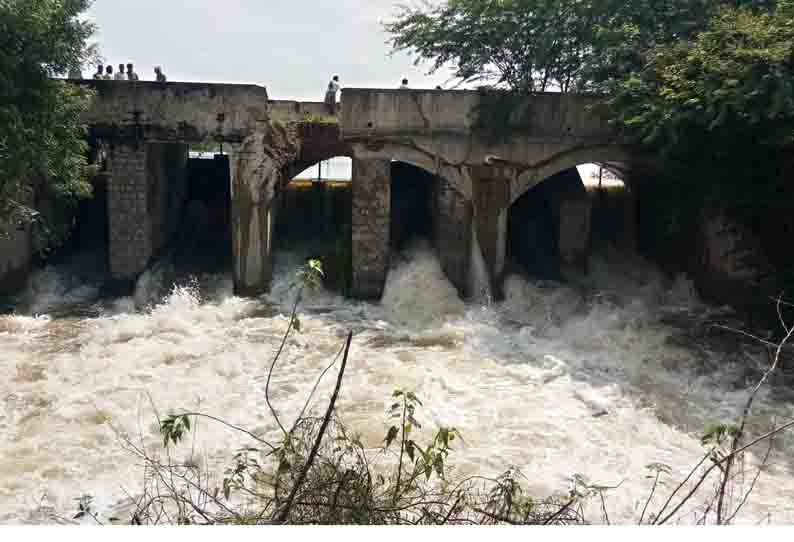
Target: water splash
[(479, 278), (589, 378)]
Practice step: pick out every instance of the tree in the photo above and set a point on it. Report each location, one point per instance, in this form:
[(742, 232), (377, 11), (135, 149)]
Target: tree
[(42, 141), (523, 45)]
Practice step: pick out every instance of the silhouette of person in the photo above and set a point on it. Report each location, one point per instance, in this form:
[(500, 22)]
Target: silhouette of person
[(330, 95), (159, 74)]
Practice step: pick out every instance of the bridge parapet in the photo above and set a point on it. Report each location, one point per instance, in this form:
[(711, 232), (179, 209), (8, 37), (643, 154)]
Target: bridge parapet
[(175, 112), (390, 112), (292, 111)]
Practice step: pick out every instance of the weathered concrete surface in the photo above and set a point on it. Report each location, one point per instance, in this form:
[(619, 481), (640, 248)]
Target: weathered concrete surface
[(430, 129), (433, 129), (257, 173), (15, 257), (371, 218), (491, 204), (452, 235), (317, 142), (175, 112)]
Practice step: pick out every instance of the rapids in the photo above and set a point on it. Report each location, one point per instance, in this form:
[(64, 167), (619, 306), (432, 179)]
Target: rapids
[(599, 377)]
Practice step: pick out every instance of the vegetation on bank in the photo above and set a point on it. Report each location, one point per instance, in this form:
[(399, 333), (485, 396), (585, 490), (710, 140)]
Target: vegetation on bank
[(43, 149)]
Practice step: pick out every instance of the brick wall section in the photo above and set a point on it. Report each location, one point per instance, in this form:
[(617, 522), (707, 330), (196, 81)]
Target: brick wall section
[(453, 234), (130, 227), (371, 217)]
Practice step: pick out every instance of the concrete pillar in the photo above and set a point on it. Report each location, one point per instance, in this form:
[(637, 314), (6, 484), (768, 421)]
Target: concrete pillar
[(128, 200), (252, 225), (491, 205), (371, 217), (452, 235), (574, 235)]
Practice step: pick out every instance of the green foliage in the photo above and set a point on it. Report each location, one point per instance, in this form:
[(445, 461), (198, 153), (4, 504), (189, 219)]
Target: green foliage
[(173, 428), (501, 114), (338, 262), (423, 460), (42, 142), (311, 275), (313, 118), (348, 483), (524, 45), (717, 434)]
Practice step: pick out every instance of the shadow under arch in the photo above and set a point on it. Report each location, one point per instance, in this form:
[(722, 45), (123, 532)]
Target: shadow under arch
[(618, 158), (554, 219), (425, 205)]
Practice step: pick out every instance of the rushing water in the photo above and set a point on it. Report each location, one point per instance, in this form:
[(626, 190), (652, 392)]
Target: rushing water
[(599, 378)]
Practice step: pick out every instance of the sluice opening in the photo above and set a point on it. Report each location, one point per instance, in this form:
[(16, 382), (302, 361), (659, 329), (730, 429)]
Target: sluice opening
[(553, 227), (312, 219), (412, 197), (204, 238)]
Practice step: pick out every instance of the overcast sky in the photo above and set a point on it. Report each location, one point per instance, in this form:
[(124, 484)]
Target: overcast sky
[(290, 46)]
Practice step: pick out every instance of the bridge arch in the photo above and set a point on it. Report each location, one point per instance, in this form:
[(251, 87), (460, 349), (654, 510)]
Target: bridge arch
[(555, 221)]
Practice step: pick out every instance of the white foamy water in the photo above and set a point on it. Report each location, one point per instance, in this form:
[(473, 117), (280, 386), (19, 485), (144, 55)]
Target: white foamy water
[(598, 379)]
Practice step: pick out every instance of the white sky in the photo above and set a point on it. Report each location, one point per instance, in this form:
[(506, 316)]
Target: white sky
[(292, 47)]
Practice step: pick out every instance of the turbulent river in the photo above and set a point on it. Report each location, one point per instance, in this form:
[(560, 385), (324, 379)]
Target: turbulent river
[(600, 377)]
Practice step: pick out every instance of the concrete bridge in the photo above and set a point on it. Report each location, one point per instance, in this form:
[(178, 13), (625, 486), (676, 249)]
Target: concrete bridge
[(144, 130)]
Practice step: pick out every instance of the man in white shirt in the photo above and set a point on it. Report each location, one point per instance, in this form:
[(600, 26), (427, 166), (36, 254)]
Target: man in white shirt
[(119, 76), (330, 95)]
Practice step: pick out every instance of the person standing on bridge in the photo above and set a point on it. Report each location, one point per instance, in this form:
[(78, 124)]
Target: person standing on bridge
[(131, 75), (119, 74), (158, 71), (100, 72), (108, 73), (330, 95), (404, 86)]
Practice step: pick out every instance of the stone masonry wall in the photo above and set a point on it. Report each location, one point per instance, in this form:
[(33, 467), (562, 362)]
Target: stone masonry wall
[(130, 226), (371, 217), (452, 234)]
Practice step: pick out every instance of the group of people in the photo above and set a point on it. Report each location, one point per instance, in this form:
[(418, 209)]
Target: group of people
[(333, 89), (106, 73)]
